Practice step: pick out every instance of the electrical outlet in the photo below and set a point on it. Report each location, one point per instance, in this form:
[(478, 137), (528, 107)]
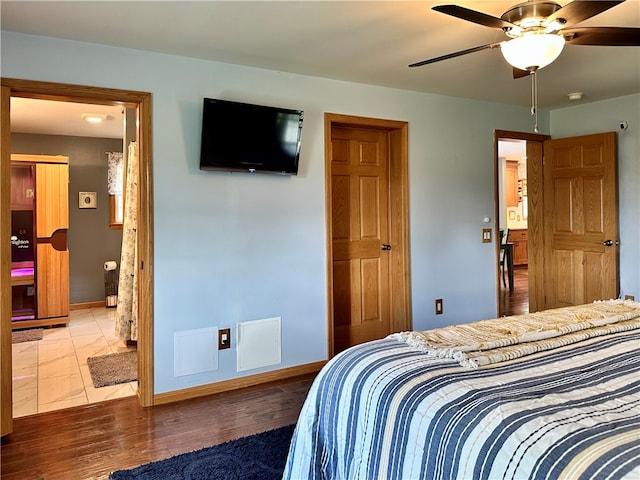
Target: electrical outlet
[(224, 338), (438, 306)]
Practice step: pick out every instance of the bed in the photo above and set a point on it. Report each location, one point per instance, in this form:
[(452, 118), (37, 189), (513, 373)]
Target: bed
[(548, 395)]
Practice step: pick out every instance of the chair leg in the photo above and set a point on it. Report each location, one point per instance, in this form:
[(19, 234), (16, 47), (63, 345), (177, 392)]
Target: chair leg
[(504, 282)]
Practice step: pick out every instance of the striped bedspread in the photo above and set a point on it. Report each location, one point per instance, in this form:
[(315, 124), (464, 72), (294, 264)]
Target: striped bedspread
[(387, 410)]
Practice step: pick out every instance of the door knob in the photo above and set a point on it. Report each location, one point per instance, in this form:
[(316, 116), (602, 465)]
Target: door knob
[(385, 246), (609, 243)]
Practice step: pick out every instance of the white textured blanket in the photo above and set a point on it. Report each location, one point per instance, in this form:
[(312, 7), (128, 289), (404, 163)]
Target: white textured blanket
[(497, 340)]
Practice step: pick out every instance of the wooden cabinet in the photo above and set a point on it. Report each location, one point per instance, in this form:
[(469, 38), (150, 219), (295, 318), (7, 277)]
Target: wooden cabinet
[(511, 183), (40, 220), (520, 246)]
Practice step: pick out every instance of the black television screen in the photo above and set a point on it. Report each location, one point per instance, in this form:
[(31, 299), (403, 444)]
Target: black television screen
[(242, 137)]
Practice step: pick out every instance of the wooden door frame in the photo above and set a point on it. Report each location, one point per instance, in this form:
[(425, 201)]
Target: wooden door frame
[(141, 101), (398, 215), (535, 214)]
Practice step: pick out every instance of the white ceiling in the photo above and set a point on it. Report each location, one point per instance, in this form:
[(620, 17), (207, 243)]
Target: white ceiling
[(362, 41), (512, 149), (64, 118)]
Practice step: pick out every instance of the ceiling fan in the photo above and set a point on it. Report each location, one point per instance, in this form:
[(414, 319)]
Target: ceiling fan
[(538, 31)]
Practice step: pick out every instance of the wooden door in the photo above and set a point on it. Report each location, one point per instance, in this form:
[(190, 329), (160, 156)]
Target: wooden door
[(580, 220), (360, 229), (52, 223)]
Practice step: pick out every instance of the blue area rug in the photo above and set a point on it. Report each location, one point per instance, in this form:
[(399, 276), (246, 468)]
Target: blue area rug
[(258, 457)]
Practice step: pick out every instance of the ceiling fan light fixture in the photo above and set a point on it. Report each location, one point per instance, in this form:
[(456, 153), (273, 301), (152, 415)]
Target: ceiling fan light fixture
[(555, 26), (94, 117), (532, 51)]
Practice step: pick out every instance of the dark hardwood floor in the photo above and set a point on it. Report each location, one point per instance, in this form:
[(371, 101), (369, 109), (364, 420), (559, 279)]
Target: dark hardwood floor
[(516, 301), (91, 441)]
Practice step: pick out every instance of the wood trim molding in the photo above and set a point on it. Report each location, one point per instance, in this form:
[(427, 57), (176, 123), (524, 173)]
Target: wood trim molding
[(66, 92), (534, 137), (83, 305), (6, 408), (112, 214), (145, 254), (328, 122), (46, 322), (237, 383), (19, 157)]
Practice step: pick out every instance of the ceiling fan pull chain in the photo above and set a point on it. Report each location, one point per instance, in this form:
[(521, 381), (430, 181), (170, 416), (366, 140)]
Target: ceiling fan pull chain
[(534, 99)]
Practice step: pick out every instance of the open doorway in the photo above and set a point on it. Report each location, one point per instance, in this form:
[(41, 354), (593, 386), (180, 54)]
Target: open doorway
[(513, 226), (141, 103), (51, 366), (530, 205)]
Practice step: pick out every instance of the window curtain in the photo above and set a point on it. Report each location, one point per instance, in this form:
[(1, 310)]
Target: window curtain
[(127, 307), (114, 173)]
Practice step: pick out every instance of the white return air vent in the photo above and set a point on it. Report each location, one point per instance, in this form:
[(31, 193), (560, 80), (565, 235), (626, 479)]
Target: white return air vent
[(195, 351), (259, 343)]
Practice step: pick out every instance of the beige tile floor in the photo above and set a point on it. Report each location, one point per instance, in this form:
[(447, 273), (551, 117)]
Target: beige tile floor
[(52, 373)]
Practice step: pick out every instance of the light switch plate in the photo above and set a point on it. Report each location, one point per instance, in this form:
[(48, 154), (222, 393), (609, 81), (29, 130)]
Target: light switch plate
[(486, 235)]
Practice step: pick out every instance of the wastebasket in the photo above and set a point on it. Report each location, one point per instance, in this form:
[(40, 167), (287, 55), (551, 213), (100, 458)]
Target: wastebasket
[(110, 283)]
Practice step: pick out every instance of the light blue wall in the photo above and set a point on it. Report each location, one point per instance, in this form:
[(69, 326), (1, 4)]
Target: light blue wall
[(231, 248), (605, 116)]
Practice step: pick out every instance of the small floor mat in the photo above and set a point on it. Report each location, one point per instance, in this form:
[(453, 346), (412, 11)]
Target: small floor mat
[(31, 335), (114, 368)]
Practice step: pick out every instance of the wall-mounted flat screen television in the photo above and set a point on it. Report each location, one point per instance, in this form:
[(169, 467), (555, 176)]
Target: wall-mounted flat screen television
[(242, 137)]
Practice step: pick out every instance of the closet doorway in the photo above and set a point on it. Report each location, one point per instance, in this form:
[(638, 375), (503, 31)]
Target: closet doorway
[(141, 103)]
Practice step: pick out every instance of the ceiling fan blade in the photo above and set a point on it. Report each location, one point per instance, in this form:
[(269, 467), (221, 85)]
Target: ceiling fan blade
[(517, 73), (473, 16), (605, 36), (455, 54), (580, 10)]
